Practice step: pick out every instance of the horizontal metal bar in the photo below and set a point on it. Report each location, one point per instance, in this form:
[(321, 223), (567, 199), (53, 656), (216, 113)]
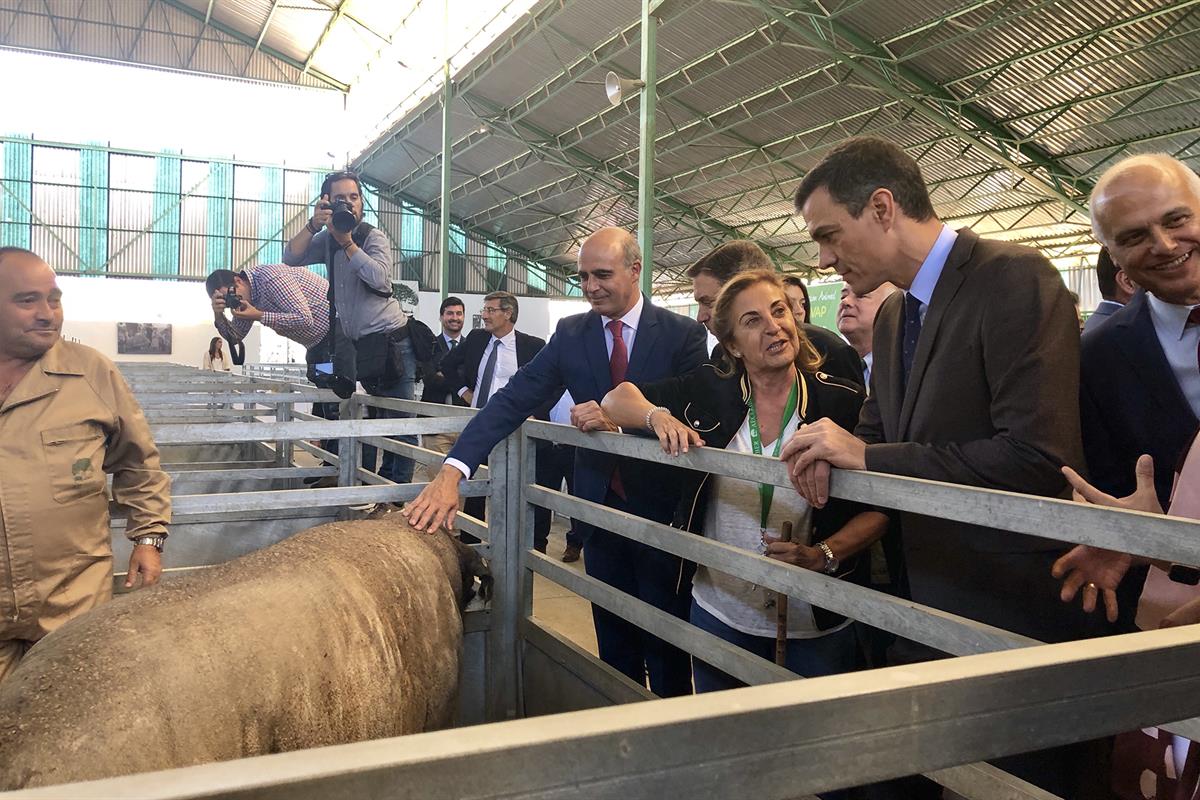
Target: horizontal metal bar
[(938, 629), (780, 740), (202, 433), (1153, 535), (316, 498), (418, 454), (261, 398), (417, 407), (726, 657), (265, 473)]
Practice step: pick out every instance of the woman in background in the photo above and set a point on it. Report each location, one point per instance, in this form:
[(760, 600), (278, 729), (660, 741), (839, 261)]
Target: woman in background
[(215, 358)]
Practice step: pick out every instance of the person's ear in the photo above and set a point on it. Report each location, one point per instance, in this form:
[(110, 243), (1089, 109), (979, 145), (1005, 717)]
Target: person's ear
[(882, 207)]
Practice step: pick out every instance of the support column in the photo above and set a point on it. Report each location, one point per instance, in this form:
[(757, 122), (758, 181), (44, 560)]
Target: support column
[(447, 145), (646, 144)]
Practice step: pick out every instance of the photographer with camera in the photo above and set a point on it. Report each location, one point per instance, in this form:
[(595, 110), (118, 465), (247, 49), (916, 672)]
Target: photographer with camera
[(358, 258)]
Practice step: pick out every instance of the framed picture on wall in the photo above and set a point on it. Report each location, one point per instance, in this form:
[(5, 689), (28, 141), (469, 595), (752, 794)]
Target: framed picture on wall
[(143, 339)]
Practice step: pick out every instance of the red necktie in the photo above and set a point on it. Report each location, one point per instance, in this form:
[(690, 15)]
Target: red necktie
[(618, 364), (1193, 319)]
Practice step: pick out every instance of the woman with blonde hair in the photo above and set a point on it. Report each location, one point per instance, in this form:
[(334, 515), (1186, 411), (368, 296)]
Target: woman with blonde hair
[(768, 384)]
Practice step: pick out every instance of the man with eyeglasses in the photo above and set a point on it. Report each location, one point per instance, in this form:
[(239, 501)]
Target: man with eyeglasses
[(483, 364), (359, 259)]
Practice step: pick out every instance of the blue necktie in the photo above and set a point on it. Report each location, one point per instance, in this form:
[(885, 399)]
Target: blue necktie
[(489, 372), (912, 331)]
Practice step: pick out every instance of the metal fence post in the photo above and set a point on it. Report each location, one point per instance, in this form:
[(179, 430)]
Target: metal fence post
[(348, 449), (503, 536), (284, 450)]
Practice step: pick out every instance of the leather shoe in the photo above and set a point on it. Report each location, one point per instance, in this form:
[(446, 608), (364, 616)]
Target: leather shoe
[(570, 554)]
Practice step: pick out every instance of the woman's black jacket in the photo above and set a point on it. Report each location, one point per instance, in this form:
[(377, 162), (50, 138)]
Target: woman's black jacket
[(715, 405)]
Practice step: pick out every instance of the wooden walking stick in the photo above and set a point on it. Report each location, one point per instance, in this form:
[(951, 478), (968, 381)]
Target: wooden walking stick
[(781, 604)]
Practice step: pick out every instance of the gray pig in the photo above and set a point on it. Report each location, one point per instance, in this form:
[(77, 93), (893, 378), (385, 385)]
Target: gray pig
[(346, 632)]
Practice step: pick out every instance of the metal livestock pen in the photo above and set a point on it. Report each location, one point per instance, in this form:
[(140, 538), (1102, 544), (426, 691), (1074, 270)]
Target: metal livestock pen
[(235, 489)]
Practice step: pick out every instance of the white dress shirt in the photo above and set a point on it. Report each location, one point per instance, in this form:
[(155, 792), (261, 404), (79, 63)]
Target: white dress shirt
[(869, 360), (506, 367), (628, 329), (927, 276), (1179, 343)]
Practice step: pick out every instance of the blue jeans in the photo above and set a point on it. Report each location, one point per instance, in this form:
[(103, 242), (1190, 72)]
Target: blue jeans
[(830, 654), (396, 468)]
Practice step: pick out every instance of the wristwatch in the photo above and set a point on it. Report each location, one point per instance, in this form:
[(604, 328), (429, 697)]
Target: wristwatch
[(155, 541), (831, 561)]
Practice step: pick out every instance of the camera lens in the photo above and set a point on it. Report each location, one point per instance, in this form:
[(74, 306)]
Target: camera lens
[(343, 217)]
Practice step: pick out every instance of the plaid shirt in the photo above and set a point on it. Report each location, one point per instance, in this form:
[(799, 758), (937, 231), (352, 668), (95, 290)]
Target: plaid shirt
[(294, 302)]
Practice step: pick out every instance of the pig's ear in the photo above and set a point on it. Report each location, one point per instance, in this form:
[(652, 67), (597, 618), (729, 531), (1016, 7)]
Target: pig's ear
[(485, 582)]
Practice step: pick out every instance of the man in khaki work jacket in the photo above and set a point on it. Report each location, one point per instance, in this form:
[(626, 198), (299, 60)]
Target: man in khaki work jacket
[(66, 419)]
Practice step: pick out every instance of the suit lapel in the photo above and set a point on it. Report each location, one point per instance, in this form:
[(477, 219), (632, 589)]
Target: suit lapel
[(947, 287), (643, 341), (597, 355), (1145, 356)]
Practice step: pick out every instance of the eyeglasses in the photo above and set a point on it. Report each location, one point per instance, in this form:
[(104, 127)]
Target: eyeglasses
[(490, 310)]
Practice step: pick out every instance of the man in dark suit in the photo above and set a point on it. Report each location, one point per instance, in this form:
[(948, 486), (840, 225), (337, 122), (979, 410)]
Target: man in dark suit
[(623, 337), (482, 366), (718, 265), (1115, 287), (1140, 377), (434, 388), (974, 382)]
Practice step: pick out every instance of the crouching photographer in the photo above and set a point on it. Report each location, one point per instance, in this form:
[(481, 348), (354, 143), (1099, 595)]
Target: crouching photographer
[(358, 258), (293, 302)]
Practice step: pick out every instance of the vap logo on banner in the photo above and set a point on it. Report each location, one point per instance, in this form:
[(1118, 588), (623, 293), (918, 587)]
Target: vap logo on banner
[(824, 299)]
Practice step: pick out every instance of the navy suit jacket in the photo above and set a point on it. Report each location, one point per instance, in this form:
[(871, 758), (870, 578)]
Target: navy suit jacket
[(461, 367), (1101, 315), (1130, 403), (576, 359)]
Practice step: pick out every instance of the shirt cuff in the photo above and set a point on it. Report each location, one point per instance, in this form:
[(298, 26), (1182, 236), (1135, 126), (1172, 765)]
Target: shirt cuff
[(268, 319), (462, 392), (460, 466)]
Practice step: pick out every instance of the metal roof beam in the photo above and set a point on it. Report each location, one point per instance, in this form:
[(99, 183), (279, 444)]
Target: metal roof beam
[(233, 33), (261, 35), (620, 181), (333, 20), (882, 71), (483, 65)]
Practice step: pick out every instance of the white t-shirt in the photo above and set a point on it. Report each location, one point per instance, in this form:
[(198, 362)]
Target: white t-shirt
[(733, 516)]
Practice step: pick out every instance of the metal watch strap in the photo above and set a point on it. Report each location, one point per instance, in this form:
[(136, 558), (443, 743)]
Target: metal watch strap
[(831, 561), (155, 541)]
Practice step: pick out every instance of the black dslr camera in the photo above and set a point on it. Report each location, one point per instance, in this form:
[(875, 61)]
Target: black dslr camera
[(233, 301), (343, 220)]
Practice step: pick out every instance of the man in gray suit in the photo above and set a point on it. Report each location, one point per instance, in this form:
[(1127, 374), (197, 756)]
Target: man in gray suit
[(975, 381), (1115, 287)]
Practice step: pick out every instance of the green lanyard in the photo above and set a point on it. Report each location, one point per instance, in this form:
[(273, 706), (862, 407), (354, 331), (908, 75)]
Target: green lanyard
[(766, 491)]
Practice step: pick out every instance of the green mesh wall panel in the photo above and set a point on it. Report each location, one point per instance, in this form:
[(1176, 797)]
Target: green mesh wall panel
[(93, 210), (219, 213), (164, 236), (270, 218), (16, 180)]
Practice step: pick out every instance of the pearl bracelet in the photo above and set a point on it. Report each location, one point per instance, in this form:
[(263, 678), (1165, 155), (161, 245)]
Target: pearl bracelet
[(649, 426)]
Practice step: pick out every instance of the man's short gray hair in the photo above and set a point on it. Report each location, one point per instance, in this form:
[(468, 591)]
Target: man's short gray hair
[(1160, 160), (630, 252)]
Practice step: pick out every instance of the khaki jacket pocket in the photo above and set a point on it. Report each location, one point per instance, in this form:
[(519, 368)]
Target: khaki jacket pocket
[(74, 461)]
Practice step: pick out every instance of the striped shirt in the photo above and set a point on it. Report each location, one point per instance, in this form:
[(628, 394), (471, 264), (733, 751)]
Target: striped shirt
[(294, 302)]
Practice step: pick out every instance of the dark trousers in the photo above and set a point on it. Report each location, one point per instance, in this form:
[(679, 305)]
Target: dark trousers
[(555, 464), (395, 468), (660, 579), (546, 471)]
